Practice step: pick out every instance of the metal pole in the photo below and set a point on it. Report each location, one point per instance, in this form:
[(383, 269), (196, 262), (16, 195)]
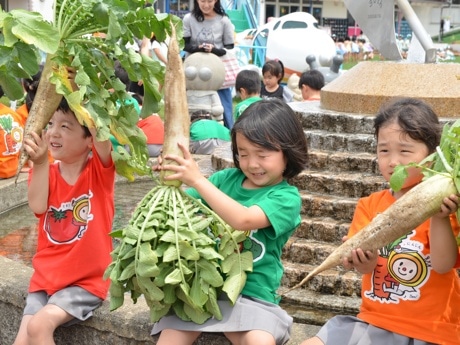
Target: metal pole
[(418, 29)]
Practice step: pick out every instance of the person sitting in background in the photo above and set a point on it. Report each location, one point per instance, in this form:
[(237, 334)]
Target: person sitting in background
[(153, 128), (206, 134), (11, 135), (310, 84), (247, 85)]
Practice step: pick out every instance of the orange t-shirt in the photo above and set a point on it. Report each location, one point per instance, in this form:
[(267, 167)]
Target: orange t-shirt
[(153, 128), (404, 294), (74, 245), (11, 135)]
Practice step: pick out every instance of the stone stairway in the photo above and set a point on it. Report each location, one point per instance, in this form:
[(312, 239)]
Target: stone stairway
[(342, 168)]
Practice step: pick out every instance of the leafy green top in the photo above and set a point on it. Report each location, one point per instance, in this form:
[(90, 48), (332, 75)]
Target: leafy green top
[(70, 40), (445, 160)]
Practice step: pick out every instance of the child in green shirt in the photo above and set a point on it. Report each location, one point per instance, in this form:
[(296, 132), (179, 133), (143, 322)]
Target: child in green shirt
[(248, 85)]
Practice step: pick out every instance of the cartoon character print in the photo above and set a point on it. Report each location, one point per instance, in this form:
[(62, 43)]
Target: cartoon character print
[(205, 36), (69, 222), (253, 245), (12, 136), (401, 271)]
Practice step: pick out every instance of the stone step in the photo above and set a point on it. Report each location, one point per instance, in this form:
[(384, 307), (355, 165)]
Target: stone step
[(307, 251), (309, 307), (342, 161), (337, 281), (323, 229), (314, 117), (321, 205), (334, 122), (343, 142), (347, 184)]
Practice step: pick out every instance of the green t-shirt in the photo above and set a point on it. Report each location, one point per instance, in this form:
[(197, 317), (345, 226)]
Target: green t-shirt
[(281, 203), (208, 129), (240, 107)]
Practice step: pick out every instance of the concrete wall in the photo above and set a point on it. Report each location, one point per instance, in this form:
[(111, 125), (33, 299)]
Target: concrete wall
[(128, 325)]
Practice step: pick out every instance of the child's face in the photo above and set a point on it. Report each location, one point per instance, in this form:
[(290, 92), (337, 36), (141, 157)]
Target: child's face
[(66, 138), (262, 167), (395, 147), (270, 80)]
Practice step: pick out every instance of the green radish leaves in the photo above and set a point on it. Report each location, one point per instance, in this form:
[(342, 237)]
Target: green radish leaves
[(179, 255), (445, 160), (89, 35)]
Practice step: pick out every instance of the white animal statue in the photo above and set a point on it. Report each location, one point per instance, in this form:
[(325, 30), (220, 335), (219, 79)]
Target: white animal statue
[(204, 75)]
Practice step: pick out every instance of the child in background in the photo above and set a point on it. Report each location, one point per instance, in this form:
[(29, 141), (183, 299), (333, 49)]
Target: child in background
[(310, 84), (247, 85), (256, 198), (273, 74), (11, 133), (74, 201), (206, 134), (410, 288), (153, 128)]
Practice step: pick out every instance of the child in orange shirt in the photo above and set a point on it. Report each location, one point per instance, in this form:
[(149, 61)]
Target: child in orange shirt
[(11, 134), (410, 288)]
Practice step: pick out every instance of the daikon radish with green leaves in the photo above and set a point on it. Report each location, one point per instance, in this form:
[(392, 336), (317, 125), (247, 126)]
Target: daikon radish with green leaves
[(441, 179), (87, 36), (175, 251)]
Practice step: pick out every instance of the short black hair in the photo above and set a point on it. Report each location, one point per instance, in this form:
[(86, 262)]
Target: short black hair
[(30, 85), (312, 78), (65, 108), (249, 80), (273, 125), (200, 115)]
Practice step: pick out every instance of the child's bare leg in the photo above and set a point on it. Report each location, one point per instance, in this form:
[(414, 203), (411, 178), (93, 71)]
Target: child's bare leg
[(256, 337), (172, 336), (21, 337), (312, 341), (38, 329)]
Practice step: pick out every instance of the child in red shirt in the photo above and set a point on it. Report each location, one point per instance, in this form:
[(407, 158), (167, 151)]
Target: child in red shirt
[(74, 201)]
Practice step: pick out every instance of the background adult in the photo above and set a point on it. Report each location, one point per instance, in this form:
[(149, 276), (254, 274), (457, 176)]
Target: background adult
[(208, 29)]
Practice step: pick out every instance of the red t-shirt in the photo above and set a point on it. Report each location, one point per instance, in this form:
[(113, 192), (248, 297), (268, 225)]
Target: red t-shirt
[(11, 136), (73, 242), (153, 128), (404, 294)]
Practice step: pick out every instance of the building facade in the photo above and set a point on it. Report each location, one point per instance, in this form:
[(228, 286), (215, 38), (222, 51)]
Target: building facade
[(329, 13)]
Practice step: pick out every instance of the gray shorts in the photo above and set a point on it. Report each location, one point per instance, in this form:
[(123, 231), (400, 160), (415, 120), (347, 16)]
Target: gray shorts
[(349, 330), (74, 300)]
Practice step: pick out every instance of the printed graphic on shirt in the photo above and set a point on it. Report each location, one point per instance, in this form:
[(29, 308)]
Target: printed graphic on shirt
[(12, 135), (69, 222), (253, 245), (401, 271), (205, 36)]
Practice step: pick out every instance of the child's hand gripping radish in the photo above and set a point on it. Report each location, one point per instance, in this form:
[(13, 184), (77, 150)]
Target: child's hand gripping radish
[(176, 252), (416, 202), (80, 36)]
